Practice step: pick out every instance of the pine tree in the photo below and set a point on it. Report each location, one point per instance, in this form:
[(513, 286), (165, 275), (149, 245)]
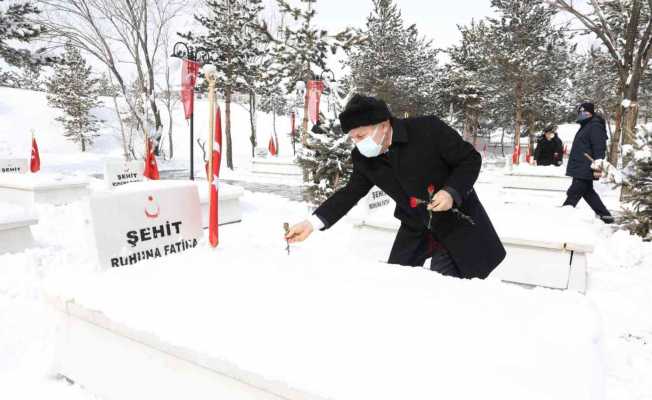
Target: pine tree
[(394, 63), (232, 37), (16, 26), (462, 79), (73, 90), (327, 157), (637, 198), (522, 43), (300, 54), (29, 78)]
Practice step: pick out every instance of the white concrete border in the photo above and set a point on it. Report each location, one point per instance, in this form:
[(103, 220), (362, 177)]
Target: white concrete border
[(117, 362)]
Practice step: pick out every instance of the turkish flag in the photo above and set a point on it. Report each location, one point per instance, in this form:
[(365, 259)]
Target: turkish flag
[(516, 155), (213, 217), (315, 89), (35, 163), (189, 71), (272, 146), (151, 168)]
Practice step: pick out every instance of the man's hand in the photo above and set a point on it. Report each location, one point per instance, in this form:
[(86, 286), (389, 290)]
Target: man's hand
[(597, 165), (443, 201), (299, 232), (597, 174)]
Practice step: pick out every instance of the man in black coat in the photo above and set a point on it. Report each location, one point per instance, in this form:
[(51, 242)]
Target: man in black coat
[(591, 140), (404, 157), (550, 149)]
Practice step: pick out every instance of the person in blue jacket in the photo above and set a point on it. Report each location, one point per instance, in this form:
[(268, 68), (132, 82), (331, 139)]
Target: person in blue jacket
[(591, 140)]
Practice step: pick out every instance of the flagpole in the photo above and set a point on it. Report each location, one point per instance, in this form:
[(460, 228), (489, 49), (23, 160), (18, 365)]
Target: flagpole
[(210, 77), (192, 143)]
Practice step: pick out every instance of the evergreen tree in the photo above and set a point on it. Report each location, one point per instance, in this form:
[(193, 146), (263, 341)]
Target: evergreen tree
[(327, 158), (73, 90), (637, 198), (300, 53), (526, 52), (106, 88), (462, 79), (16, 26), (232, 37), (394, 63), (29, 78)]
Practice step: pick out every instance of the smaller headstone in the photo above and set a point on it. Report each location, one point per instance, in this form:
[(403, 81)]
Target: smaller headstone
[(377, 199), (119, 172), (14, 165)]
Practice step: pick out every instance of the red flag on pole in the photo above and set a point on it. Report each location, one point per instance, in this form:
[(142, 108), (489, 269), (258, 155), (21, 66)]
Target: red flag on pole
[(151, 168), (516, 155), (315, 89), (272, 147), (213, 218), (189, 71), (35, 163)]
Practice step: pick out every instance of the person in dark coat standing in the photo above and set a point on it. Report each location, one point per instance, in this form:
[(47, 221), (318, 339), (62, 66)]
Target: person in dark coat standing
[(591, 140), (550, 149), (405, 158)]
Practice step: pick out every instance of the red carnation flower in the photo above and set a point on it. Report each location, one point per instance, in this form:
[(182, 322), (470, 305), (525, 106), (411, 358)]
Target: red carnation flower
[(413, 202), (431, 189)]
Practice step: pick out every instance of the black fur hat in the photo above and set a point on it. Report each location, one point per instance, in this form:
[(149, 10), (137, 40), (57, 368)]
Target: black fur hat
[(586, 107), (363, 111)]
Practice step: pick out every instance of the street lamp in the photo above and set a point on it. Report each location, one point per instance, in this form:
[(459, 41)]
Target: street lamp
[(184, 52)]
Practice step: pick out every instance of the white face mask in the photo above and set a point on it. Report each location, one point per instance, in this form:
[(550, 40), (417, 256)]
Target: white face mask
[(368, 147)]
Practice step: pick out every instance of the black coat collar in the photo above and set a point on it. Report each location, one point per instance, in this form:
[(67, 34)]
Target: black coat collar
[(399, 134)]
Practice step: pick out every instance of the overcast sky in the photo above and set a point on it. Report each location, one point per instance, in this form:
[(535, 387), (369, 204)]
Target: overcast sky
[(435, 19)]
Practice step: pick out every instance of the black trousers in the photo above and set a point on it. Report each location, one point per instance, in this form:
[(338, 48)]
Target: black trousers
[(443, 263), (583, 189), (413, 248)]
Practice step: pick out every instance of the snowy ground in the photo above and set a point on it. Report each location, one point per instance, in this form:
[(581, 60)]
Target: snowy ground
[(620, 270), (18, 108), (619, 280)]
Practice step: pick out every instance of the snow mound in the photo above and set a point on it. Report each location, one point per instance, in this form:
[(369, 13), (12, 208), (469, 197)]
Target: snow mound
[(345, 328)]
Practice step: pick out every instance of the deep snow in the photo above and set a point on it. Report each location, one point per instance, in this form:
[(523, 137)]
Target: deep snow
[(620, 270)]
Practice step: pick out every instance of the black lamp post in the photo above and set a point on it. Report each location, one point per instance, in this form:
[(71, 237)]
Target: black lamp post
[(183, 51)]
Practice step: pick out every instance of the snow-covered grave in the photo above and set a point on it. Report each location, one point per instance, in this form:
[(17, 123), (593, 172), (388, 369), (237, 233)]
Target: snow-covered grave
[(548, 183), (526, 177), (43, 188), (283, 167), (229, 208), (236, 324), (14, 165), (145, 220), (543, 249), (15, 227)]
